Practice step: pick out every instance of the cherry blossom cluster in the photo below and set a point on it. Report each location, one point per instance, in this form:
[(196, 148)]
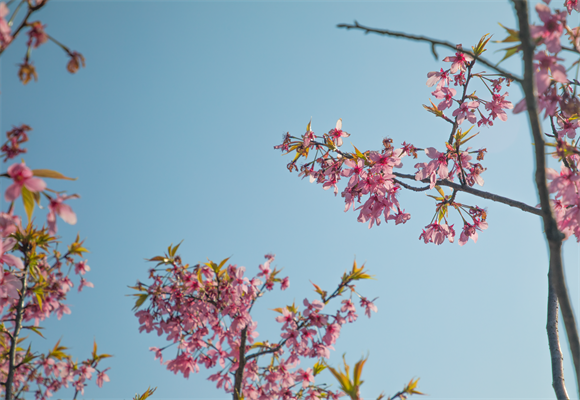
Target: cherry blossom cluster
[(36, 37), (52, 371), (34, 285), (558, 99), (204, 311), (373, 182)]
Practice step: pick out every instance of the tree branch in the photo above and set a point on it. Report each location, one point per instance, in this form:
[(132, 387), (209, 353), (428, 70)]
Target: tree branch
[(478, 193), (555, 351), (433, 42), (553, 236)]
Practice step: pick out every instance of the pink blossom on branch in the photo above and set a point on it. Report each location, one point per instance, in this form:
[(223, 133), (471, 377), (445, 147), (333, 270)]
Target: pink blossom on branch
[(440, 78), (36, 34), (22, 176), (337, 133), (436, 233), (465, 110), (204, 323), (5, 31), (57, 207), (552, 29), (459, 61)]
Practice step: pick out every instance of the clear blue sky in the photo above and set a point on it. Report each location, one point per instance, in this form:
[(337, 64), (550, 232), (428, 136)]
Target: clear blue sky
[(170, 129)]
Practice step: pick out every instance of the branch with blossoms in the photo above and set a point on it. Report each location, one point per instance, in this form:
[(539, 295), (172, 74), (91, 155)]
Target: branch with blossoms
[(34, 285), (36, 277), (371, 173), (547, 87), (204, 310), (36, 37)]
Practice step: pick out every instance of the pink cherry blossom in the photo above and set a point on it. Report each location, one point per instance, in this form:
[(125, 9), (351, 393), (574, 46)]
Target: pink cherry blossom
[(22, 176), (438, 165), (57, 207), (102, 377), (572, 5), (497, 106), (564, 184), (337, 133), (368, 305), (36, 34), (9, 259), (9, 286), (459, 61), (552, 29), (465, 110), (440, 78), (5, 31), (436, 233), (547, 64), (567, 127), (446, 94), (470, 231), (81, 267), (306, 377)]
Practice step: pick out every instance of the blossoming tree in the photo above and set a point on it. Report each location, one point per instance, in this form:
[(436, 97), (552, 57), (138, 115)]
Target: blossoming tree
[(36, 276), (373, 181), (205, 312)]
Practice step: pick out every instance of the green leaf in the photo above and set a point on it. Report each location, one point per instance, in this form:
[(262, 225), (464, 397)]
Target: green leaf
[(28, 201), (35, 329), (318, 367), (145, 395), (47, 173), (510, 51), (221, 264), (140, 300), (480, 48), (174, 250), (513, 35), (433, 109), (359, 154)]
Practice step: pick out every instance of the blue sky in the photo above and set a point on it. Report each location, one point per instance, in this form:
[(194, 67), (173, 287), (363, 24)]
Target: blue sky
[(170, 129)]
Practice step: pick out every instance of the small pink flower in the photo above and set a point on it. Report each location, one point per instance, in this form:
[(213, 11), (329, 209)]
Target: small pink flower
[(57, 207), (466, 111), (552, 29), (5, 32), (306, 377), (496, 106), (22, 176), (368, 305), (547, 64), (337, 133), (446, 94), (436, 233), (285, 284), (459, 61), (572, 5), (440, 78), (102, 377), (9, 259), (9, 286), (84, 283), (36, 34), (82, 267)]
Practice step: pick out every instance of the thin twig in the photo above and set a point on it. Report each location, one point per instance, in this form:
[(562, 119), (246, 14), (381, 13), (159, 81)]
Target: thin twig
[(433, 42)]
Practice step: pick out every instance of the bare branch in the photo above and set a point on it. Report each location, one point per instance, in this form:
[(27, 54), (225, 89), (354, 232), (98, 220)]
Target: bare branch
[(433, 42), (555, 351)]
